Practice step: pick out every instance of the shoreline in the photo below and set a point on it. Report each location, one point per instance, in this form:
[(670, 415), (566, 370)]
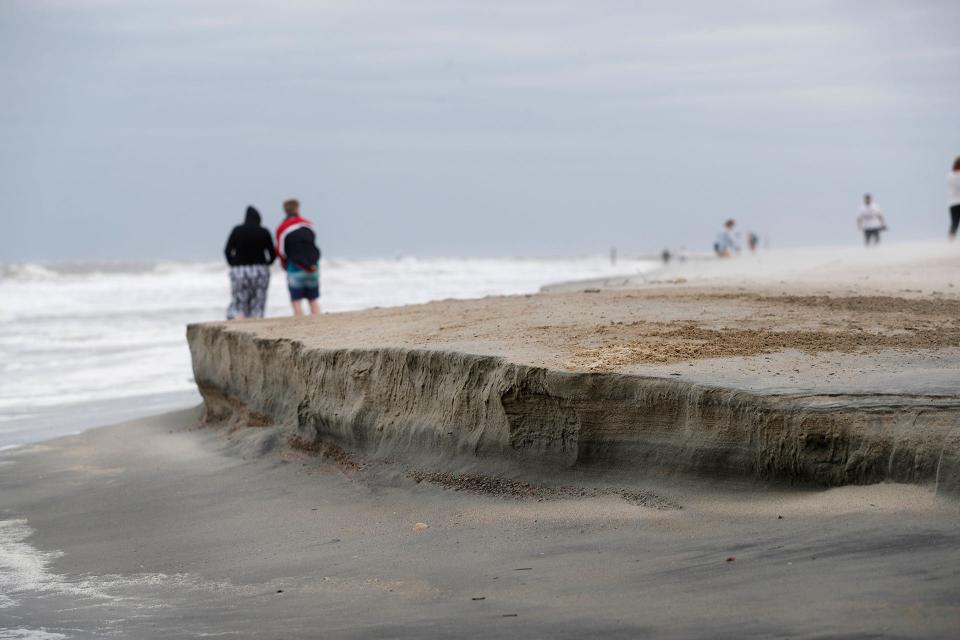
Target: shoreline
[(48, 423)]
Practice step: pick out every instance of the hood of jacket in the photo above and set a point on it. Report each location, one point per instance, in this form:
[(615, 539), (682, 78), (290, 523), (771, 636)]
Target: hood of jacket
[(252, 217)]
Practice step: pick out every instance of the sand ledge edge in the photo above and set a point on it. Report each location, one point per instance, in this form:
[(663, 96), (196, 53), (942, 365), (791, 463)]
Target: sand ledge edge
[(401, 402)]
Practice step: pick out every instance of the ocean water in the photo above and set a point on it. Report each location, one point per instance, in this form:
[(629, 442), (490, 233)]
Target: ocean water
[(88, 344)]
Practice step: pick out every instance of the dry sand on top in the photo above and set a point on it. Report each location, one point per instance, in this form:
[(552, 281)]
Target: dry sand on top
[(611, 328)]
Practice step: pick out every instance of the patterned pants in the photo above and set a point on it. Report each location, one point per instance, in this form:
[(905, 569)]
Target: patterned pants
[(248, 290)]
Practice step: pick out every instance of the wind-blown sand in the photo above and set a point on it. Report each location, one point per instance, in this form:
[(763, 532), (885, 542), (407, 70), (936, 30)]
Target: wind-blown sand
[(285, 514)]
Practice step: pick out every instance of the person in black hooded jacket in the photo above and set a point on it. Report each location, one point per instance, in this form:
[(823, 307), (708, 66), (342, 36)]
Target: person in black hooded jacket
[(249, 253)]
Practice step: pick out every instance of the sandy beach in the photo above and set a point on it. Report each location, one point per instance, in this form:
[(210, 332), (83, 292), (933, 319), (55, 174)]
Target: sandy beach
[(372, 320), (473, 469)]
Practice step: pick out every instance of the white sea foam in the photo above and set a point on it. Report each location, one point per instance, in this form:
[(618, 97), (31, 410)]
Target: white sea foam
[(29, 634), (25, 569), (93, 332), (26, 572)]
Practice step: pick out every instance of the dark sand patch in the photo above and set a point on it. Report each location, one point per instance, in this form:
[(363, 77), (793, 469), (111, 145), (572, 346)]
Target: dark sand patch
[(501, 487), (325, 451)]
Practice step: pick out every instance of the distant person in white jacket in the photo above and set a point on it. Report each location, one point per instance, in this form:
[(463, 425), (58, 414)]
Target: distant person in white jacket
[(726, 244), (954, 183), (871, 221)]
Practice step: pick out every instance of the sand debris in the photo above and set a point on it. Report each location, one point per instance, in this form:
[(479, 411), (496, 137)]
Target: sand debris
[(324, 451), (692, 341), (518, 489)]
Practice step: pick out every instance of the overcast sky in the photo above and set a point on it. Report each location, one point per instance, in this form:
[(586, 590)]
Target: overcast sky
[(141, 130)]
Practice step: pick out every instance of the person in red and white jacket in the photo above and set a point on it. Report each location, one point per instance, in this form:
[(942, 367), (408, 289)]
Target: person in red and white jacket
[(300, 257)]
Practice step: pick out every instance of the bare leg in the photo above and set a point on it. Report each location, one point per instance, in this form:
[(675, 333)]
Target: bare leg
[(314, 307), (297, 307)]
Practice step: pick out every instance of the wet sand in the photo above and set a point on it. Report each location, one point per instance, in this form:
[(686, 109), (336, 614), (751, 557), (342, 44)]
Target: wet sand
[(160, 529)]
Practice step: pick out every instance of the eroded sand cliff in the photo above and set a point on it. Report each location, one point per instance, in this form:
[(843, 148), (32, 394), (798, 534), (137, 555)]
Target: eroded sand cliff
[(825, 389)]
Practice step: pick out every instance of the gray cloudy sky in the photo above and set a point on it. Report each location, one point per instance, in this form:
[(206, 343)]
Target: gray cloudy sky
[(453, 127)]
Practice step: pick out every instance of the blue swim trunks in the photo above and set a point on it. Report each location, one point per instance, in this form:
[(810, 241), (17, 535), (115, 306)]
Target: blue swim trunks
[(302, 283)]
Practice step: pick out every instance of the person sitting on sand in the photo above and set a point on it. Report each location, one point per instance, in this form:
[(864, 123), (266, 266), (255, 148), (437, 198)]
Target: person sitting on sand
[(300, 257), (726, 243), (249, 253), (954, 183), (871, 221)]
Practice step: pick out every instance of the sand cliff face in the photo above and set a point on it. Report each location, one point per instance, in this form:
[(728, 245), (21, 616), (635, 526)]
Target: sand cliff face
[(396, 402)]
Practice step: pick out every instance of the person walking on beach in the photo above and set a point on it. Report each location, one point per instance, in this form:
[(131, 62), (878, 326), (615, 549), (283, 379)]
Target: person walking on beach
[(300, 257), (726, 243), (954, 183), (871, 221), (249, 253)]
